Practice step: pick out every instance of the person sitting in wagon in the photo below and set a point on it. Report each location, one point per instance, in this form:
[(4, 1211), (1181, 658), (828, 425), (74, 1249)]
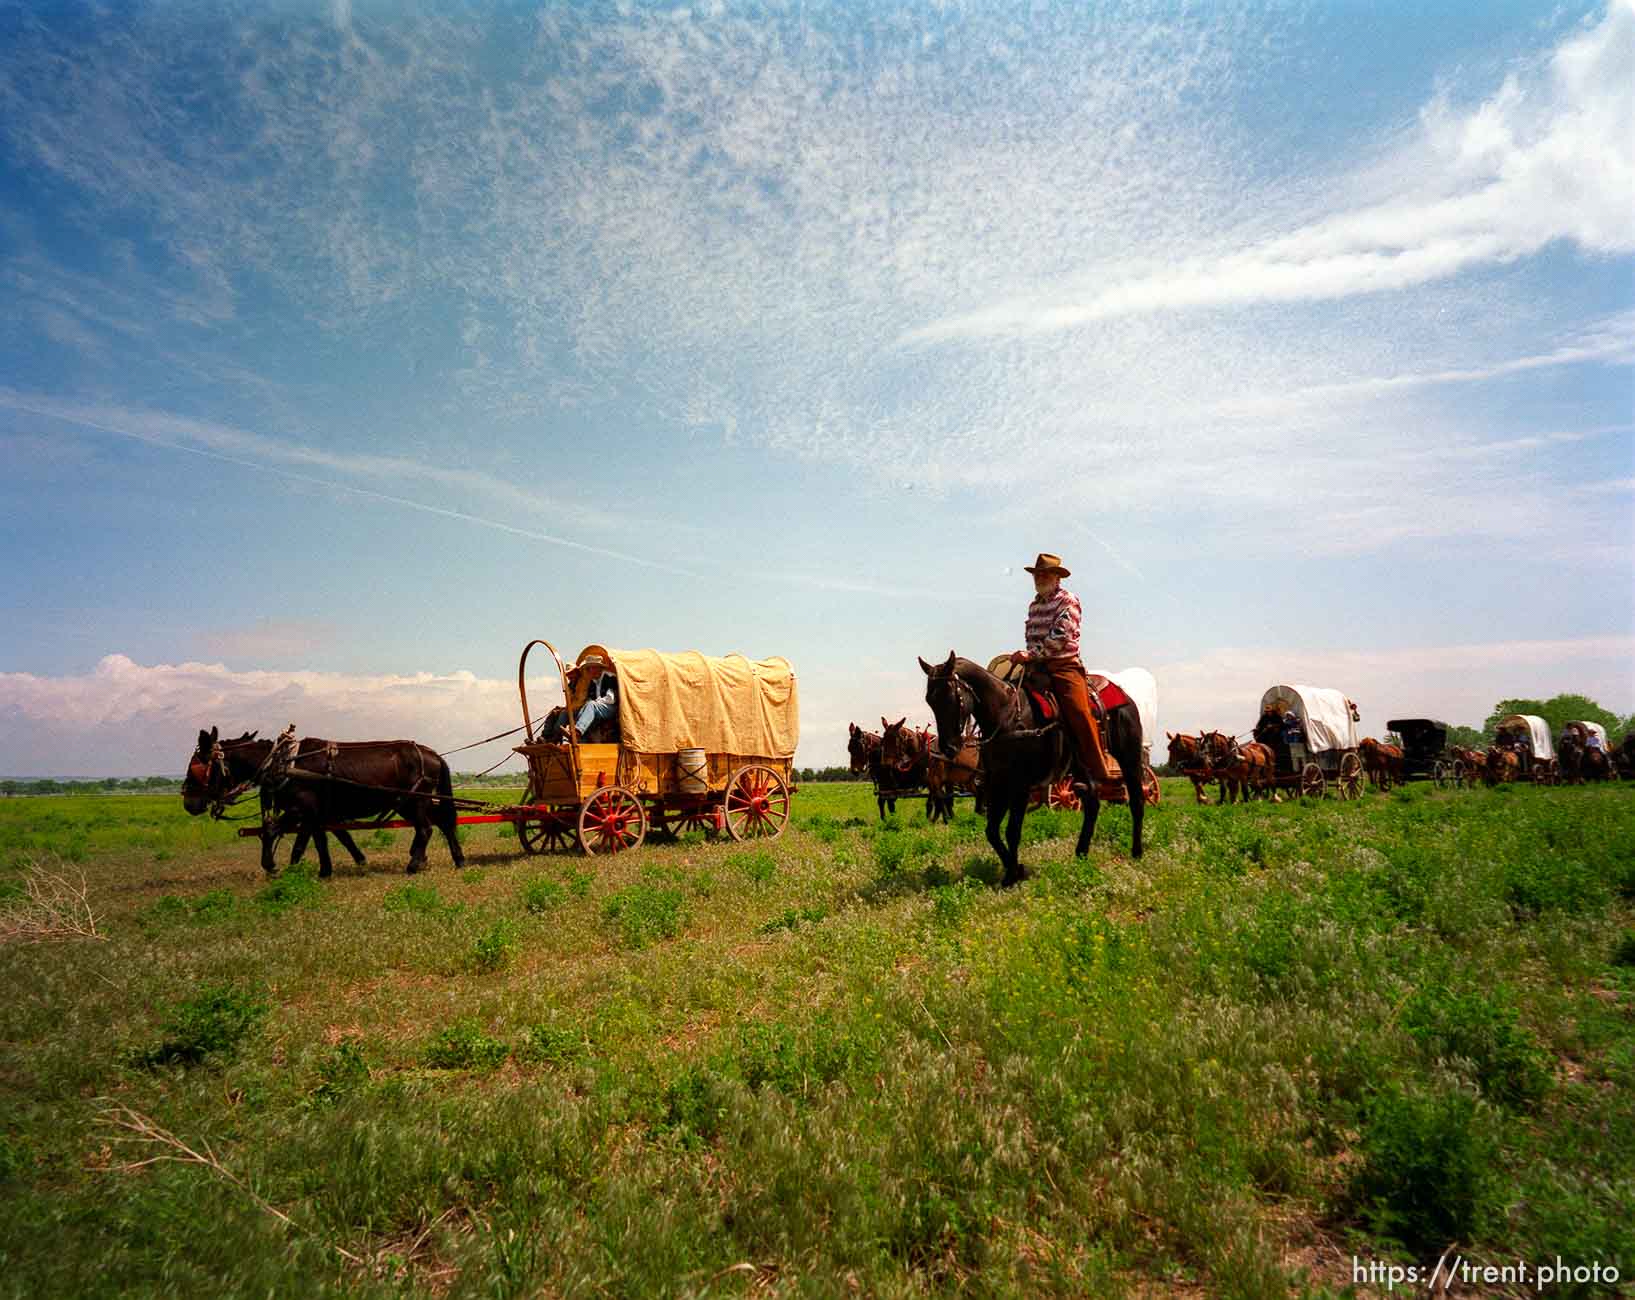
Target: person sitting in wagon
[(601, 704)]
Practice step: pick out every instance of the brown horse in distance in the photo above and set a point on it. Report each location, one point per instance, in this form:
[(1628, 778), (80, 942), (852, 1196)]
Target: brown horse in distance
[(1580, 763), (1189, 756), (1383, 763), (1242, 768), (242, 760), (1623, 758), (863, 748), (1500, 765)]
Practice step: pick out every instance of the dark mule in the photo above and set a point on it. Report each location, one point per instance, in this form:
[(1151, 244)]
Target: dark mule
[(863, 747), (906, 753), (327, 782), (221, 768), (1021, 751)]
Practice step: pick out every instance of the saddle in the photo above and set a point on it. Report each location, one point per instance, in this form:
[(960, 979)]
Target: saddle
[(1105, 694)]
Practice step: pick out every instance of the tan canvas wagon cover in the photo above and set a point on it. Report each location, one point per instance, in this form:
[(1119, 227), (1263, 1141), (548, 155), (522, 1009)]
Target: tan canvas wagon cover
[(726, 705)]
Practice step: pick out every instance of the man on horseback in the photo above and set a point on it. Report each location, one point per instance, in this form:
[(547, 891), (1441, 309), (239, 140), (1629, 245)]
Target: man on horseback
[(1052, 635)]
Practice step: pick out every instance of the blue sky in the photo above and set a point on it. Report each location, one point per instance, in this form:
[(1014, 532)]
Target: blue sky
[(348, 347)]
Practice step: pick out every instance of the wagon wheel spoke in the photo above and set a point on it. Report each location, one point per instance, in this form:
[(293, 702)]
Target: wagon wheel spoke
[(1149, 786)]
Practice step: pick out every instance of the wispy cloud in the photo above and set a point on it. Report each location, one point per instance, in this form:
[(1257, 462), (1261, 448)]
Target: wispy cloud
[(936, 248), (1547, 157), (167, 429)]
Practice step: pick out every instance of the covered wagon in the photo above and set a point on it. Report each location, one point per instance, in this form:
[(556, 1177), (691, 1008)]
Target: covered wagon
[(1312, 733), (1528, 737), (697, 743)]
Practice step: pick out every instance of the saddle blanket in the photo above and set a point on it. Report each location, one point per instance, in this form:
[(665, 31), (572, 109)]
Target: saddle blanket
[(1104, 695)]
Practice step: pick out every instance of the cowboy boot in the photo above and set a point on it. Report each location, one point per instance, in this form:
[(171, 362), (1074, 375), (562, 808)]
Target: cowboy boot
[(1103, 766)]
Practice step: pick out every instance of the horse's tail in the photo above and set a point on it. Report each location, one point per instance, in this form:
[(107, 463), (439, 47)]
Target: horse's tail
[(443, 812)]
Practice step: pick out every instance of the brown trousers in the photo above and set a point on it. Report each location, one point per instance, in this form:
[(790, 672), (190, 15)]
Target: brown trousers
[(1072, 689)]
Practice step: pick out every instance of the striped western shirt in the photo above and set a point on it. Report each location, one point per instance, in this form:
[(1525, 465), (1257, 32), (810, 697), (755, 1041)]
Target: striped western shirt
[(1053, 626)]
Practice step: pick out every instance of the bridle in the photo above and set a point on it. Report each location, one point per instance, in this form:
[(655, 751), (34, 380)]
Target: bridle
[(905, 748), (1203, 758), (1229, 746), (965, 709), (212, 773)]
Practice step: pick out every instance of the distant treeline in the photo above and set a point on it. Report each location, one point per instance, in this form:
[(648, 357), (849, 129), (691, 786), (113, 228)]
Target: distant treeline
[(106, 785)]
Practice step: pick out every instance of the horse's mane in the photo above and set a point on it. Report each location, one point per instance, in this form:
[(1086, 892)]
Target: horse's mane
[(964, 667)]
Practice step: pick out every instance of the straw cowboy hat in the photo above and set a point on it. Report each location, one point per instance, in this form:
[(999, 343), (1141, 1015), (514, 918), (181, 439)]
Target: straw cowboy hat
[(1047, 563)]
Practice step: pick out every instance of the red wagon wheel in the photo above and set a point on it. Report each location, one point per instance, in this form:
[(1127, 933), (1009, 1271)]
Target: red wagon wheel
[(1149, 785), (1062, 796), (1312, 782), (756, 804), (611, 821), (553, 832)]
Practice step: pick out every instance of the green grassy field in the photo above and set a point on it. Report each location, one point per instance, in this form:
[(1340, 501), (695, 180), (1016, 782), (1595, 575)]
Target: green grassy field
[(842, 1063)]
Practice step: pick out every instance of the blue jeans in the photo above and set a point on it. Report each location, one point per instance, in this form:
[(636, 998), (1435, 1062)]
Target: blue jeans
[(591, 712), (596, 710)]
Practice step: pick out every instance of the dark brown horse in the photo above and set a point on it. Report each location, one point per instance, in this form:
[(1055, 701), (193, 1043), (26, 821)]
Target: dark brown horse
[(1021, 751), (863, 748), (1580, 763), (1190, 757), (1623, 758), (326, 782)]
